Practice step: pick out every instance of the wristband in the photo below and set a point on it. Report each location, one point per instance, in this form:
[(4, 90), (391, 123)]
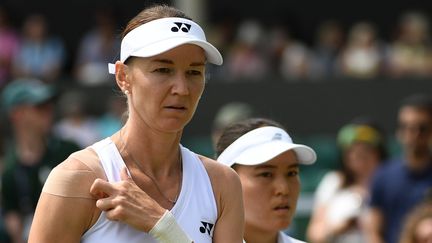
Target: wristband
[(167, 230)]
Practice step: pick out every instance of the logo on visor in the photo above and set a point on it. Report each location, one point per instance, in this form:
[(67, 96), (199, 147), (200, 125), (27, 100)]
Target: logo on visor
[(181, 26), (277, 136)]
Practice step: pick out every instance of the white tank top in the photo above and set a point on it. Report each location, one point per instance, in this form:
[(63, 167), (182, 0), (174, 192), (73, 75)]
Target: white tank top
[(195, 209)]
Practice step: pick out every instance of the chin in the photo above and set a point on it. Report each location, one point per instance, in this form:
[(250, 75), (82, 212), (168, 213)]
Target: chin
[(172, 129), (281, 224), (172, 125)]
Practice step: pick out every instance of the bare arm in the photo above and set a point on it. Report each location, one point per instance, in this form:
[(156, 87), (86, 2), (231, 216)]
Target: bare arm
[(227, 189), (59, 219), (317, 229), (65, 210), (373, 225)]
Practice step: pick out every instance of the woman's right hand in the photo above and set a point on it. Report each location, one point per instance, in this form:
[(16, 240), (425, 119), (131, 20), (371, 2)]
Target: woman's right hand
[(124, 201)]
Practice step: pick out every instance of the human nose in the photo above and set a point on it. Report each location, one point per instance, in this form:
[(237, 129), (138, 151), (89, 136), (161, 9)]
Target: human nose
[(180, 85), (281, 186)]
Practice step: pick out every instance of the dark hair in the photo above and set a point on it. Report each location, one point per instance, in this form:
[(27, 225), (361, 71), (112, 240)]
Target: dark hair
[(419, 101), (153, 13), (235, 130)]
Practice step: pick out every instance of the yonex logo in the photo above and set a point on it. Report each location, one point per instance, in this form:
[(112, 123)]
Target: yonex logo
[(181, 26), (277, 136), (207, 227)]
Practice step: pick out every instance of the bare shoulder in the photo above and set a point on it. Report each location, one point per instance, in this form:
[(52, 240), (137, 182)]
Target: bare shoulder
[(80, 168), (219, 172), (68, 186), (84, 160), (220, 176)]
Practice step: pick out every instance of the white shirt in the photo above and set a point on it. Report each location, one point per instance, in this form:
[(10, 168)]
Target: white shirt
[(284, 238), (195, 209)]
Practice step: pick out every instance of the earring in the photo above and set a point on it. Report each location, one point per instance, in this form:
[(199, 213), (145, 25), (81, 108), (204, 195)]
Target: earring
[(126, 92)]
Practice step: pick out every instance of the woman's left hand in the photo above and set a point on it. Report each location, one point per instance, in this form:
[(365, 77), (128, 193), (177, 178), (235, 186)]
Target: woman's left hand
[(124, 201)]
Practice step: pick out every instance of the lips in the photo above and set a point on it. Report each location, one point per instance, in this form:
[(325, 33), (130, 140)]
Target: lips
[(283, 206), (176, 107)]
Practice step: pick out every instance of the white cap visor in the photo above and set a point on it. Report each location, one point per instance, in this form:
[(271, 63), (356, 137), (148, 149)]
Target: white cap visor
[(212, 54), (263, 144), (161, 35), (264, 152)]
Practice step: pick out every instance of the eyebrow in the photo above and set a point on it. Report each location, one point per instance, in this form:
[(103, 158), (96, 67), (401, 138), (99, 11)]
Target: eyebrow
[(168, 61), (273, 167)]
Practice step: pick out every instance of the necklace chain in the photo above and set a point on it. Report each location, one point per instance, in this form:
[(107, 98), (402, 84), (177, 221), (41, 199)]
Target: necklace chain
[(173, 201)]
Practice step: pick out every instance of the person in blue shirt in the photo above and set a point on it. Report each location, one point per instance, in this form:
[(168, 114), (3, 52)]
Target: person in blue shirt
[(401, 183)]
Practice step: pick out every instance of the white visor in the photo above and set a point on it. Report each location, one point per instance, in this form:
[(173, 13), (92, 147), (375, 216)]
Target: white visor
[(263, 144), (162, 35)]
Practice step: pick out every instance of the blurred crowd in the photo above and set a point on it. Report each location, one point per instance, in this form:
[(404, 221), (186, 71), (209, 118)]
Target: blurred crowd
[(36, 135), (253, 51)]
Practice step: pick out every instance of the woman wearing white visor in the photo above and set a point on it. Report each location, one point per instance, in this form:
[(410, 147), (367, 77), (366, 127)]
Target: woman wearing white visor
[(140, 185), (267, 161)]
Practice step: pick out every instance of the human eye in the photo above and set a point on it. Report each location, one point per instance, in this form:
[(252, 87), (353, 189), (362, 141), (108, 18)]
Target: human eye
[(292, 173), (194, 72), (162, 70), (265, 174)]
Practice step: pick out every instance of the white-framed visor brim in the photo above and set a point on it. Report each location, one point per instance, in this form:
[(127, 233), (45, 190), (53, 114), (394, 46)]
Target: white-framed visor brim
[(161, 35), (264, 152), (212, 54)]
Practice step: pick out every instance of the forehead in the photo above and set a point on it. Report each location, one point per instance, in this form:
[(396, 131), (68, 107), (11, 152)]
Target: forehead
[(285, 160), (188, 52), (414, 114)]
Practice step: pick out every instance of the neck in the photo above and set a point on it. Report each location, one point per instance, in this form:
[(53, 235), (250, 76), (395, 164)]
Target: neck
[(418, 160), (156, 152), (154, 161), (255, 235)]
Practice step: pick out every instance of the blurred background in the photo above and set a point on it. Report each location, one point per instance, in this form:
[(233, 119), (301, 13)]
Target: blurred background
[(311, 65)]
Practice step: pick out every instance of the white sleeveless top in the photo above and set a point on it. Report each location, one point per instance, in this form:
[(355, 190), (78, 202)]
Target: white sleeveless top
[(284, 238), (195, 209)]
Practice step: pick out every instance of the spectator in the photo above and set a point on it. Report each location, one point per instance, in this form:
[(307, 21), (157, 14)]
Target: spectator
[(113, 118), (327, 48), (40, 55), (410, 54), (246, 60), (30, 154), (418, 224), (9, 43), (341, 195), (98, 47), (276, 40), (228, 114), (402, 182), (295, 61), (75, 124), (221, 34), (362, 57)]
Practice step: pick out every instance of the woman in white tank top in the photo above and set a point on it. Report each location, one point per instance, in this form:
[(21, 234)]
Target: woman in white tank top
[(141, 185), (267, 161)]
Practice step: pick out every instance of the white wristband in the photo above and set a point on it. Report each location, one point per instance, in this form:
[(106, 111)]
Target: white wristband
[(167, 230)]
